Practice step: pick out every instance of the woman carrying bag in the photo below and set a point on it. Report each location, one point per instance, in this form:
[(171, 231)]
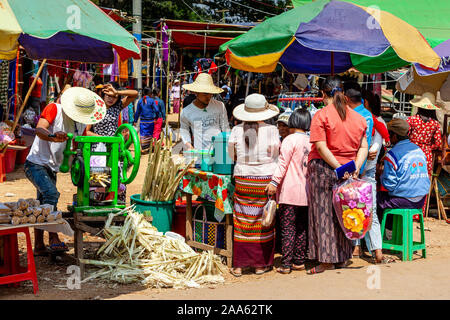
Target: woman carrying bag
[(338, 136), (255, 146)]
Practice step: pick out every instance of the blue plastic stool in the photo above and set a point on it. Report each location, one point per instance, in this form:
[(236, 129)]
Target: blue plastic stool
[(402, 233)]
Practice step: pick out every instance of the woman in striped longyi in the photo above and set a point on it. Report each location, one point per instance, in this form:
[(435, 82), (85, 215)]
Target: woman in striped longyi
[(254, 145)]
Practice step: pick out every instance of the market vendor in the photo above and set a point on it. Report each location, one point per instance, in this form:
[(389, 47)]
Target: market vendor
[(46, 154), (205, 117)]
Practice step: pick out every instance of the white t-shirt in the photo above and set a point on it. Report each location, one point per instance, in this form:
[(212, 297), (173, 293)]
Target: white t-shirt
[(46, 153), (203, 123), (376, 144), (260, 159)]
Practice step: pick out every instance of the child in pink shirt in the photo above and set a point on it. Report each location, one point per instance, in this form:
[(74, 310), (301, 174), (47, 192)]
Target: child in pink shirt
[(289, 183)]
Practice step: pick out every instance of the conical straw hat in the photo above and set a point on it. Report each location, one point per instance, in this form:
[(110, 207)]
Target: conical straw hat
[(204, 84)]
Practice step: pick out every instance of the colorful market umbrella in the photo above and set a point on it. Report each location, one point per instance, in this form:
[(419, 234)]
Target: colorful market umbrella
[(419, 80), (324, 37), (75, 30)]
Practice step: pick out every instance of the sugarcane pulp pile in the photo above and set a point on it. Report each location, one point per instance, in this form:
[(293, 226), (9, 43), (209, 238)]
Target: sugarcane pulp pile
[(137, 252), (163, 173)]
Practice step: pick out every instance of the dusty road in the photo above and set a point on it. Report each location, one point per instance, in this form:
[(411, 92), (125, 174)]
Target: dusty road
[(418, 279)]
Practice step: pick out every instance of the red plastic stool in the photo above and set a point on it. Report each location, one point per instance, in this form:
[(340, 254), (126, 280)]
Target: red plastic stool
[(11, 269)]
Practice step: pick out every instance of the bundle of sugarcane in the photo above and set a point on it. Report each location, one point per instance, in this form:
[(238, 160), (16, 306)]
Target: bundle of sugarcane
[(163, 174), (136, 251)]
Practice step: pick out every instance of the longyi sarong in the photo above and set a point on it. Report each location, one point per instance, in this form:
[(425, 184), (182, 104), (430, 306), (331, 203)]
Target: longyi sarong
[(254, 246), (146, 129)]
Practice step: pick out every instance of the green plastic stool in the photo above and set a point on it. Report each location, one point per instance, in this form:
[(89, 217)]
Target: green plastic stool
[(402, 233)]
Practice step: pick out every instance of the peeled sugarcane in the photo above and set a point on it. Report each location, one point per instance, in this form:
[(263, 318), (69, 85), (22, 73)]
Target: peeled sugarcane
[(162, 175), (136, 251)]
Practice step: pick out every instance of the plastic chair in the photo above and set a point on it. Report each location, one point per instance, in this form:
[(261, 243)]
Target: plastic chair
[(402, 232), (12, 272)]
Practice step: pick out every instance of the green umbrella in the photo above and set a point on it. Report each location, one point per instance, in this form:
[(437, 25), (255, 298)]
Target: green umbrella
[(330, 36)]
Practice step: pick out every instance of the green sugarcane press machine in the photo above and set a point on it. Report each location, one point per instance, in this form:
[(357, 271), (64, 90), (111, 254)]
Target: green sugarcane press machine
[(82, 174)]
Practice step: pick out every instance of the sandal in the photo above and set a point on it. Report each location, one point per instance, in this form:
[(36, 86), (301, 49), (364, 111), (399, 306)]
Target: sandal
[(262, 271), (385, 260), (296, 267), (57, 247), (284, 270), (319, 269), (234, 273), (343, 265)]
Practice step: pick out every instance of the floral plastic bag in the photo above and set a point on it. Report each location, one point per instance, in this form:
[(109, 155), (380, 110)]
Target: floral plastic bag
[(6, 135), (353, 203)]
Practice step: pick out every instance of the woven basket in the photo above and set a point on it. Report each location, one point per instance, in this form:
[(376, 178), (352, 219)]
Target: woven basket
[(208, 232)]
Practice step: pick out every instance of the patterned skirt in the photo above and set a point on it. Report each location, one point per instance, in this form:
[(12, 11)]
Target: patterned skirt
[(146, 129), (327, 241), (253, 245)]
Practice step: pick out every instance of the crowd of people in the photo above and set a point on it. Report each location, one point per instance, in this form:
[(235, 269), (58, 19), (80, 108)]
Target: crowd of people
[(293, 161)]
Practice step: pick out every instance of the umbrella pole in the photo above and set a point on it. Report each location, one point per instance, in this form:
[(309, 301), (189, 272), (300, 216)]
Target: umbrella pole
[(24, 103), (332, 63)]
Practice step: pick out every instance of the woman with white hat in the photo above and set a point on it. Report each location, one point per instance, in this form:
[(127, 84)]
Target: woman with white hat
[(425, 129), (205, 117), (255, 146), (46, 154)]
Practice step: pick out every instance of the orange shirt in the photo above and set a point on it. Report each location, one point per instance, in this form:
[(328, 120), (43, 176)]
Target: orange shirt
[(343, 137)]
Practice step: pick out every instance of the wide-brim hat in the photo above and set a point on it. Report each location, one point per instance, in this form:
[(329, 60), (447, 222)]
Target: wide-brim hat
[(83, 105), (203, 84), (255, 108), (426, 101)]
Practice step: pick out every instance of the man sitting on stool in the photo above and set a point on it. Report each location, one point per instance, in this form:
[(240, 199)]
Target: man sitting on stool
[(405, 175)]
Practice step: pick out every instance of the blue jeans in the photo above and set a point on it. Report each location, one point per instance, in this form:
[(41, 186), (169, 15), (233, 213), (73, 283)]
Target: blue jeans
[(373, 236), (44, 179)]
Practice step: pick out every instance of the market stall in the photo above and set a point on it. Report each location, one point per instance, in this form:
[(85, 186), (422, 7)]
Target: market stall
[(218, 189)]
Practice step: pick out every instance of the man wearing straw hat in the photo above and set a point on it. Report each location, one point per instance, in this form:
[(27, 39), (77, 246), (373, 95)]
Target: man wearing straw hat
[(205, 117), (46, 154)]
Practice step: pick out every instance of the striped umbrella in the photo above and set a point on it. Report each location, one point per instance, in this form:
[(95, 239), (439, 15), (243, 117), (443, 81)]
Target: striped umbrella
[(324, 37), (75, 30)]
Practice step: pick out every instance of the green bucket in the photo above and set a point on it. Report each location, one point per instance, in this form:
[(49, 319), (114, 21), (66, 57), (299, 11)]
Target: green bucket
[(161, 211)]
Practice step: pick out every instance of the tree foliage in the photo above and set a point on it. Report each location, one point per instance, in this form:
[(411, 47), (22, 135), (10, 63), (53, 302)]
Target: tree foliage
[(202, 10)]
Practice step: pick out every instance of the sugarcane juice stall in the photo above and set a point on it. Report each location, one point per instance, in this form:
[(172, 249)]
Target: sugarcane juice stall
[(89, 214), (212, 183)]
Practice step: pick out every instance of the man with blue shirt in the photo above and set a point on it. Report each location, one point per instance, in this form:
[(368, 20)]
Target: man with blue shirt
[(373, 236), (405, 171)]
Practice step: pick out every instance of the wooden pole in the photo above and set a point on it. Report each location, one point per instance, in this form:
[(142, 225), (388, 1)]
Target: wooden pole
[(19, 113), (148, 65), (167, 77)]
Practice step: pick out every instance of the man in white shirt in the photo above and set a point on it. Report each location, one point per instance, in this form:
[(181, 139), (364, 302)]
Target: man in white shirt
[(205, 117)]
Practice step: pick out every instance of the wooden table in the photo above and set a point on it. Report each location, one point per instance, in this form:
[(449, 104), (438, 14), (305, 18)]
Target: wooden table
[(83, 223), (228, 252), (218, 189)]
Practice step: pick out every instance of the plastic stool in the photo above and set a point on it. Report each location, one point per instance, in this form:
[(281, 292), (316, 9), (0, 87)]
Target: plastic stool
[(11, 270), (402, 232)]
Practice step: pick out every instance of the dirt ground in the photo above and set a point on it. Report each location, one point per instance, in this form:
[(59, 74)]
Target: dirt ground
[(418, 279)]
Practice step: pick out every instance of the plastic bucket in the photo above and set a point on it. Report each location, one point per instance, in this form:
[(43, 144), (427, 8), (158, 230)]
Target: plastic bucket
[(161, 211), (10, 160), (179, 217), (21, 156)]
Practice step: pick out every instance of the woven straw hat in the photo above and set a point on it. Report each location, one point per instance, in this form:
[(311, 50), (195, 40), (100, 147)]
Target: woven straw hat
[(203, 84), (426, 101), (83, 105), (255, 108)]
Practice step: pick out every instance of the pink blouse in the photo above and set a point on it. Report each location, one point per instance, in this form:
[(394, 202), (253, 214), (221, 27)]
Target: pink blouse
[(290, 174)]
